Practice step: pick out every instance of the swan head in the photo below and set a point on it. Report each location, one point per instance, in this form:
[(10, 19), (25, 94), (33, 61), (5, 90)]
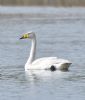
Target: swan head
[(29, 35)]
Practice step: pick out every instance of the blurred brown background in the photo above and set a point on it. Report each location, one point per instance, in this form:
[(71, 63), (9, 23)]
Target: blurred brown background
[(43, 2)]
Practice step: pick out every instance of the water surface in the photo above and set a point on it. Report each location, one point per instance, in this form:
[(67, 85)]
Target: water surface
[(60, 32)]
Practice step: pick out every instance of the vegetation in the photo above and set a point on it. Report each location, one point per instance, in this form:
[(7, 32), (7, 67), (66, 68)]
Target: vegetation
[(44, 2)]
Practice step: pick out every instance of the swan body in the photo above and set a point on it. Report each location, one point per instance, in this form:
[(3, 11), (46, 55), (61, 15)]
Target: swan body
[(47, 63), (44, 63)]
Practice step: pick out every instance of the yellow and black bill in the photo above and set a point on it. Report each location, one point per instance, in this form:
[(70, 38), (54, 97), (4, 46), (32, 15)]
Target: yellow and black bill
[(25, 36)]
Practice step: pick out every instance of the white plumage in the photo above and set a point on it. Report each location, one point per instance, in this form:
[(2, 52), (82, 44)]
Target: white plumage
[(52, 63)]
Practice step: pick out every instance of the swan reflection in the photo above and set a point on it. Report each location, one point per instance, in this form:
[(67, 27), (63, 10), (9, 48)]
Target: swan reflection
[(32, 75)]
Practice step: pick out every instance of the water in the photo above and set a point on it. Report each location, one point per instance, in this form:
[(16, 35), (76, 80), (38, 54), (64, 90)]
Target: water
[(60, 32)]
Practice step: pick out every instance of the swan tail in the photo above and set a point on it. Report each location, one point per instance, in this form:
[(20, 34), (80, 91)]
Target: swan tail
[(63, 66)]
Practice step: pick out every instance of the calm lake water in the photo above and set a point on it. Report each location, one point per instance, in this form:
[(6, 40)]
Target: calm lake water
[(60, 32)]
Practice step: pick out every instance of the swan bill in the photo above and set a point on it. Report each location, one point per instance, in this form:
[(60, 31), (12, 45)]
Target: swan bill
[(25, 36)]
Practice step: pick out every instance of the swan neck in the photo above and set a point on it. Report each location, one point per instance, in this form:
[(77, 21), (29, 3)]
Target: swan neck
[(32, 51)]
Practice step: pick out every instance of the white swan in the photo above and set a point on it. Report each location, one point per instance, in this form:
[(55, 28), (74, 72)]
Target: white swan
[(52, 63)]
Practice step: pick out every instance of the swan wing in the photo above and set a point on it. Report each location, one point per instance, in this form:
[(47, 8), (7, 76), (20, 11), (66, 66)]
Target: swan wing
[(44, 59), (43, 63)]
